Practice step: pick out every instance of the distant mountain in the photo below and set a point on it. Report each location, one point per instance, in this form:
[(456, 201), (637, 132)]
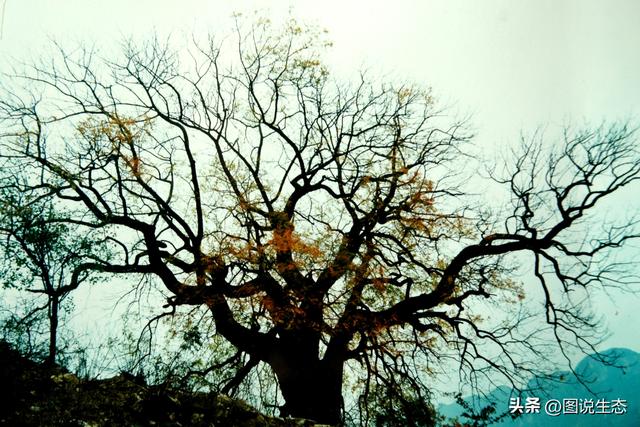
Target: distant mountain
[(616, 402)]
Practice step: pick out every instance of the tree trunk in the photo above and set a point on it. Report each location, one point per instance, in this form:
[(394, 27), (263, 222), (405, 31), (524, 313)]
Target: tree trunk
[(312, 388), (312, 392), (53, 330)]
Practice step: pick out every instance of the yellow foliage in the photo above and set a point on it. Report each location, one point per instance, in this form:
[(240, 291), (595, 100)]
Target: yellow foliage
[(122, 133), (288, 241)]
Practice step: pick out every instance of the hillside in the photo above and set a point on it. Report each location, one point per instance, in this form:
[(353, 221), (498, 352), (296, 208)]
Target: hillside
[(34, 395)]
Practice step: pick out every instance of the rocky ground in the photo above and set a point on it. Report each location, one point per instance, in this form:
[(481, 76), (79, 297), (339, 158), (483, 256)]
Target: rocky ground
[(34, 395)]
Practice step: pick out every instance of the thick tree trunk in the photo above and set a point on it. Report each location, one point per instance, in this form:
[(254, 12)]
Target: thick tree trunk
[(313, 391), (312, 388)]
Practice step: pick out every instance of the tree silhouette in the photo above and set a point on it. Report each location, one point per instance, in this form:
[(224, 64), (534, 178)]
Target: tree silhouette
[(321, 223), (40, 255)]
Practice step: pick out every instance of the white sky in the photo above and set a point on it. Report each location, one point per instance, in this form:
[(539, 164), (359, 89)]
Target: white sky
[(513, 65)]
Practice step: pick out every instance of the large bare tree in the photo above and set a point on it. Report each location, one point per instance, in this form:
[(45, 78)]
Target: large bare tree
[(323, 224)]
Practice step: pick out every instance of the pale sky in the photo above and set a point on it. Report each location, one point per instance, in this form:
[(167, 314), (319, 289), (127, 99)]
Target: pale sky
[(513, 66)]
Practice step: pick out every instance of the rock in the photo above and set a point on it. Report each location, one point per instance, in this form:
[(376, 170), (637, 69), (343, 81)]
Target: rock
[(65, 378)]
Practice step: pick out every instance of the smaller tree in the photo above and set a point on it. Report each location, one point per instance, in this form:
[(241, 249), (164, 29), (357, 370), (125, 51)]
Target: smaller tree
[(40, 255)]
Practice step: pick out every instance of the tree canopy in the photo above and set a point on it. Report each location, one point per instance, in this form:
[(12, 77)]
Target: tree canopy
[(323, 224)]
